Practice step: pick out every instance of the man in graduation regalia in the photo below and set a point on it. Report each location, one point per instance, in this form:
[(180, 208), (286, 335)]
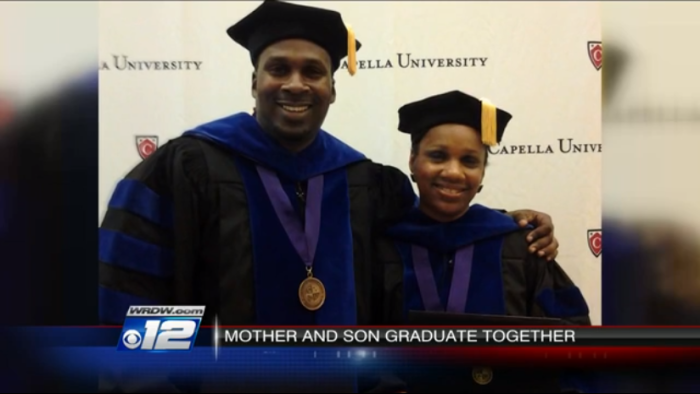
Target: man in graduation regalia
[(266, 219)]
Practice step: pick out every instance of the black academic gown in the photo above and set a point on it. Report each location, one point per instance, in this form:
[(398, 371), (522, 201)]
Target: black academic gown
[(503, 279), (193, 225)]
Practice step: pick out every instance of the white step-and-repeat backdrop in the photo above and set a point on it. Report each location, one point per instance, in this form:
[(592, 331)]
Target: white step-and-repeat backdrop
[(168, 66)]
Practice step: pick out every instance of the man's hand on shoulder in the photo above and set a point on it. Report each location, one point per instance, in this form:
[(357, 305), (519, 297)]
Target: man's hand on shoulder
[(541, 239)]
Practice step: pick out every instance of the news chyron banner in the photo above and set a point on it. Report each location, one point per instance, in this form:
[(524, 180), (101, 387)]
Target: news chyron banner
[(160, 328), (176, 328)]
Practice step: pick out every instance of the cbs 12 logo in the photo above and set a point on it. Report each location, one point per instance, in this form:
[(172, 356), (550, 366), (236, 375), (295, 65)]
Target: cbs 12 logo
[(159, 333)]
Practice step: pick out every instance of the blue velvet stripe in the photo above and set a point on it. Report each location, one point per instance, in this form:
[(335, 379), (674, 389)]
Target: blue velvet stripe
[(133, 196), (278, 268), (127, 252), (485, 290), (563, 303), (479, 223), (114, 305)]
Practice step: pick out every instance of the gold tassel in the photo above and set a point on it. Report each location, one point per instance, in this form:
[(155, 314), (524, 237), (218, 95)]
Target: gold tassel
[(352, 61), (488, 123)]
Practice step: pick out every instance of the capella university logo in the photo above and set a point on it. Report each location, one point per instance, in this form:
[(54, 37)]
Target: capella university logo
[(595, 54), (595, 241), (146, 145), (160, 328)]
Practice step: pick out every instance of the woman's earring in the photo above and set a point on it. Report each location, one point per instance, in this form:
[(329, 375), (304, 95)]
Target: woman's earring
[(480, 187), (413, 178)]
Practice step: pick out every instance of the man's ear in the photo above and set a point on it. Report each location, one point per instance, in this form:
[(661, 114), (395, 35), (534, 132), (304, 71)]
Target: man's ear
[(333, 91), (254, 85)]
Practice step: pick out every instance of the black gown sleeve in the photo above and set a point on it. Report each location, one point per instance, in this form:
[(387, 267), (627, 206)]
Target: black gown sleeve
[(548, 290), (149, 246), (554, 294), (149, 235)]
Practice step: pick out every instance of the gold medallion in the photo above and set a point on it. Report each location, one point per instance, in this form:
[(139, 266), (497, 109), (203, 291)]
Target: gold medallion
[(482, 375), (312, 293)]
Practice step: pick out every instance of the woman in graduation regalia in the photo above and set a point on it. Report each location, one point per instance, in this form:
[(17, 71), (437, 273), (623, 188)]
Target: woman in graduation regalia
[(459, 257)]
